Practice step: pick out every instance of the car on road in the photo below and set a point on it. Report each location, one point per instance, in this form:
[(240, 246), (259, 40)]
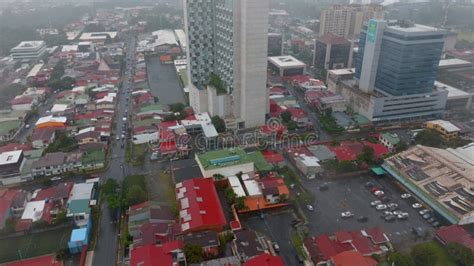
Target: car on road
[(375, 203), (310, 207), (276, 247), (381, 207), (122, 145), (55, 178), (362, 219), (431, 220), (347, 214), (405, 196), (117, 138), (324, 187), (416, 205), (373, 189)]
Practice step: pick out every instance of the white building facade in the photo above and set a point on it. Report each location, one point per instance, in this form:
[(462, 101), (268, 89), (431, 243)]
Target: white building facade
[(228, 38)]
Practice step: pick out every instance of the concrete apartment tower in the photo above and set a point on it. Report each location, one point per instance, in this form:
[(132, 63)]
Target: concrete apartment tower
[(228, 39)]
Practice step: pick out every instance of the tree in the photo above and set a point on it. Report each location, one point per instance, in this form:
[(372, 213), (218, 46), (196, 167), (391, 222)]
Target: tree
[(216, 82), (429, 137), (400, 259), (108, 40), (424, 255), (135, 194), (109, 187), (402, 146), (367, 155), (193, 253), (460, 254), (240, 203), (285, 116), (218, 123), (230, 195)]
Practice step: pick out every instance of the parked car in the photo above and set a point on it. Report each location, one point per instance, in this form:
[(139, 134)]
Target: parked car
[(431, 220), (276, 247), (402, 216), (389, 218), (427, 216), (405, 196), (347, 214), (362, 219), (391, 205), (375, 203), (435, 224), (310, 207), (387, 213), (416, 205), (373, 189), (424, 211), (56, 178), (379, 193), (381, 207)]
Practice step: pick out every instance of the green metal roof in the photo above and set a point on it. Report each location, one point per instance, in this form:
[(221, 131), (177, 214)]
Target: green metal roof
[(79, 206), (378, 170), (391, 137), (238, 153)]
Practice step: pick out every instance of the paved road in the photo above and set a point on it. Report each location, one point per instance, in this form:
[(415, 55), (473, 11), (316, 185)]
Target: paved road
[(164, 82), (106, 249)]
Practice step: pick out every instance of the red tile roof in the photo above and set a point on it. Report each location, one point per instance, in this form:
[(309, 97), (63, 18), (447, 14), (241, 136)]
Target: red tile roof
[(455, 234), (330, 38), (15, 147), (265, 260), (273, 157), (328, 247), (350, 258), (47, 260), (235, 225), (168, 147), (22, 100), (297, 113), (43, 134), (6, 200), (150, 255), (198, 198), (377, 235)]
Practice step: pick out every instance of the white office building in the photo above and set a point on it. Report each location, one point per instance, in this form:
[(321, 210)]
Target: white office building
[(29, 50), (227, 39)]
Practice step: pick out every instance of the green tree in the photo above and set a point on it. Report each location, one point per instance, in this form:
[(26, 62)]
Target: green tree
[(218, 123), (109, 187), (367, 155), (285, 116), (135, 194), (461, 254), (230, 195), (400, 259), (108, 40), (424, 255), (193, 253), (216, 82), (429, 137), (240, 203)]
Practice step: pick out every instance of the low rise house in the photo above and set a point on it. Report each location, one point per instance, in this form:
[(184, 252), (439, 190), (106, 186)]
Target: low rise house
[(455, 234), (148, 212), (170, 254), (207, 240), (23, 103), (247, 244), (33, 211), (42, 137), (308, 165), (11, 163), (445, 128), (199, 206), (57, 163), (80, 201), (390, 141), (265, 259)]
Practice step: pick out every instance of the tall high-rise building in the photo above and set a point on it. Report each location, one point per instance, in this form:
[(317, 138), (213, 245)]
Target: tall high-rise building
[(394, 77), (332, 52), (227, 48), (347, 20), (398, 59)]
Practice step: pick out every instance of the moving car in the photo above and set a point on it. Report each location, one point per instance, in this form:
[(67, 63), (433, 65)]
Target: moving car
[(310, 207), (347, 214), (55, 178)]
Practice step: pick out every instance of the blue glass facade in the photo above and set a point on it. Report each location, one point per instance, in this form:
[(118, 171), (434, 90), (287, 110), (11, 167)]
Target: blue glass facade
[(408, 63)]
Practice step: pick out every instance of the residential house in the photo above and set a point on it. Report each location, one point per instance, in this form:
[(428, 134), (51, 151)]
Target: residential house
[(81, 198), (349, 258), (300, 117), (247, 244), (389, 140), (87, 136), (23, 103), (274, 190), (42, 137), (170, 254), (199, 206), (19, 202), (56, 163), (148, 212), (207, 240), (265, 259), (455, 234), (444, 128)]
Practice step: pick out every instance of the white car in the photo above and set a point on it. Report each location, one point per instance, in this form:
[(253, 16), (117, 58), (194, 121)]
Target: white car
[(416, 205), (375, 203), (56, 178), (310, 208), (378, 193), (392, 205), (423, 212), (381, 207), (347, 214), (402, 216), (117, 138), (405, 196)]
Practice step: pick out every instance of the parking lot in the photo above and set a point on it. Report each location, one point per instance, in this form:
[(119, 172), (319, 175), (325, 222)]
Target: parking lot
[(351, 194), (164, 82)]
